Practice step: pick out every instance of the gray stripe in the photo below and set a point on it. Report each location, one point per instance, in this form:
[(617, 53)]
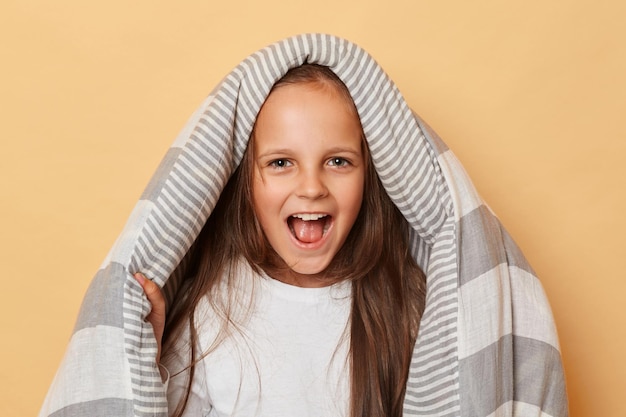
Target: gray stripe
[(156, 182), (100, 305), (514, 255), (492, 245), (432, 137), (419, 249), (438, 336), (433, 366), (482, 229), (105, 407), (173, 283), (434, 390), (448, 409), (513, 369)]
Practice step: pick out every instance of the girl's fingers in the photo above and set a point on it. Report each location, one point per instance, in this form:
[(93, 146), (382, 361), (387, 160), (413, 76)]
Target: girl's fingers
[(153, 292), (157, 314)]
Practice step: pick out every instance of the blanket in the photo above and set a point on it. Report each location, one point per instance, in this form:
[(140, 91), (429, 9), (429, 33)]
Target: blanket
[(487, 344)]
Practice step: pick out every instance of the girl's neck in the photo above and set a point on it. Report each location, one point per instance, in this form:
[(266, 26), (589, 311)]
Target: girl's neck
[(291, 277)]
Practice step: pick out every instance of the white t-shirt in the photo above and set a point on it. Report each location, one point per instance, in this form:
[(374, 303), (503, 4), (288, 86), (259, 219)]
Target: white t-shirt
[(289, 359)]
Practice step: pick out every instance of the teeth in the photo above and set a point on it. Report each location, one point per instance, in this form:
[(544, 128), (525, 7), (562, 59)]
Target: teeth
[(309, 216)]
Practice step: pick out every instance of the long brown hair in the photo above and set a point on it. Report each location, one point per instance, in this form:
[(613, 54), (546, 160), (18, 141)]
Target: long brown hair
[(388, 286)]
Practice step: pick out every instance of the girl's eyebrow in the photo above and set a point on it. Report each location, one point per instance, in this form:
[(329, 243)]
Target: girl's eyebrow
[(289, 151), (273, 152), (339, 149)]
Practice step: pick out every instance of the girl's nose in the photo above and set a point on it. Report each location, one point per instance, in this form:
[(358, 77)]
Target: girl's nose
[(311, 186)]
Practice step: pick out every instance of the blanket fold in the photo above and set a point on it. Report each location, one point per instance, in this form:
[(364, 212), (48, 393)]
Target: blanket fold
[(487, 344)]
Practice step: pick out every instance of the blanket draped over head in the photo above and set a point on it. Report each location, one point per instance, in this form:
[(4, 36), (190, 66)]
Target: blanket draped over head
[(487, 344)]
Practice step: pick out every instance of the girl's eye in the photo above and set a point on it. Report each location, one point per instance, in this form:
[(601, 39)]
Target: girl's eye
[(338, 162), (279, 163)]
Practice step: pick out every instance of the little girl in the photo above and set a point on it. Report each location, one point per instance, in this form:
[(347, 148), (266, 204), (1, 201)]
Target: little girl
[(288, 228), (305, 299)]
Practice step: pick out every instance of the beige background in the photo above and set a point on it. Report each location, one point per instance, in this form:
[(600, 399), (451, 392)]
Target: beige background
[(530, 95)]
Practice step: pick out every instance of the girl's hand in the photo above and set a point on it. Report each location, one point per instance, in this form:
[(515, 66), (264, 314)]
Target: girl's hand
[(157, 314)]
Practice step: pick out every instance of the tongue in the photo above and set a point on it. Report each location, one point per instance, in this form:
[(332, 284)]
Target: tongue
[(308, 231)]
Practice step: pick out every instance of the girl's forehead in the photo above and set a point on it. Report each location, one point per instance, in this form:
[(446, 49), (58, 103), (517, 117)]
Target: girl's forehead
[(310, 102), (293, 94), (306, 116)]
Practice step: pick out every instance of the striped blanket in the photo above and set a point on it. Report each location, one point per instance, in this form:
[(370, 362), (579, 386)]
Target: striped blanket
[(487, 344)]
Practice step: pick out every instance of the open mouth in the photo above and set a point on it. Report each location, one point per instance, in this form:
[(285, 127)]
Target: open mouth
[(309, 227)]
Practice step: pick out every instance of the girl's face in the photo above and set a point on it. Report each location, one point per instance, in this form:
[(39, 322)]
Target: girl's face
[(308, 177)]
